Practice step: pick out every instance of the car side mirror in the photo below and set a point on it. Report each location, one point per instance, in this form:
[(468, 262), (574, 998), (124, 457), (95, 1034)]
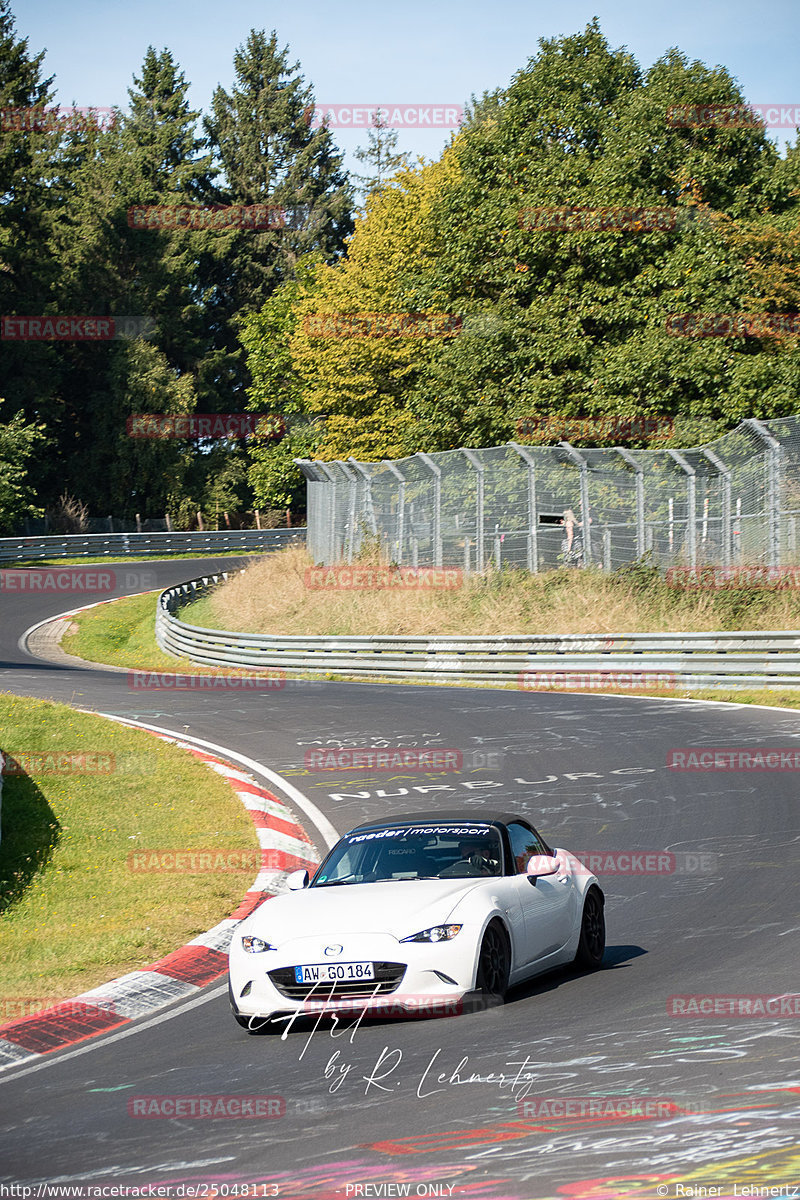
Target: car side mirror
[(542, 864), (297, 881)]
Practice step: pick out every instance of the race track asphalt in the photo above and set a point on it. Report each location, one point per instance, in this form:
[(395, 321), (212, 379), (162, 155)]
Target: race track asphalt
[(446, 1103)]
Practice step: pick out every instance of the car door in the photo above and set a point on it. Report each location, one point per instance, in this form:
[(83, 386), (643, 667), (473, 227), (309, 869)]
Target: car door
[(548, 902)]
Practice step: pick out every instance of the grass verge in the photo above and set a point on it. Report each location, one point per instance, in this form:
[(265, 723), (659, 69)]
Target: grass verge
[(73, 912), (121, 634), (271, 596)]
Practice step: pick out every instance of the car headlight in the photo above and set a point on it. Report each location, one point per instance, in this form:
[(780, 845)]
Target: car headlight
[(439, 933), (255, 945)]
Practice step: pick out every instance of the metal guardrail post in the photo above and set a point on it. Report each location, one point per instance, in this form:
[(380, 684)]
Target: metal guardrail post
[(586, 523), (436, 470), (639, 469), (725, 474), (479, 468), (773, 487), (401, 507), (533, 516), (691, 490)]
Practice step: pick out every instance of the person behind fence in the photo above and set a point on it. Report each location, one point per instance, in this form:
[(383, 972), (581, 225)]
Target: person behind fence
[(572, 544)]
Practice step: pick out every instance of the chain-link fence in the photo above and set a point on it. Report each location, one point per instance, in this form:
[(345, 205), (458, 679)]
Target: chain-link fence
[(736, 500)]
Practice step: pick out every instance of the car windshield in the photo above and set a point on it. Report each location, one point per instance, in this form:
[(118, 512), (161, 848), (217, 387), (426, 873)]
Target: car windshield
[(413, 852)]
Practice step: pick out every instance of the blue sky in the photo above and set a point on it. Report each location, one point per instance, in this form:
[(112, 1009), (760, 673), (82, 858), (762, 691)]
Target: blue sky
[(406, 51)]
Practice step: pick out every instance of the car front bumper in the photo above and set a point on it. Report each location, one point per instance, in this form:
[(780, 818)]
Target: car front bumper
[(433, 975)]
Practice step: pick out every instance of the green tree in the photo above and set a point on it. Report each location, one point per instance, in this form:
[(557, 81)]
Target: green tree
[(277, 387), (109, 265), (268, 153), (571, 323), (27, 266), (381, 157), (17, 442)]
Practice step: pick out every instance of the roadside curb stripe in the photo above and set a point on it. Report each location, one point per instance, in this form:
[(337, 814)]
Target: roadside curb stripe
[(285, 846)]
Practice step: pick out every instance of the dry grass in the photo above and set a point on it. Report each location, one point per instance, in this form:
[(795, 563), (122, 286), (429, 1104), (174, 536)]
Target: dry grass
[(272, 597)]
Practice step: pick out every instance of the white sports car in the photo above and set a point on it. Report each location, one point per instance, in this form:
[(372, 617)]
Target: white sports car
[(412, 915)]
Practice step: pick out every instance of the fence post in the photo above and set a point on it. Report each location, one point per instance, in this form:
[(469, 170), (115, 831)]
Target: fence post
[(639, 469), (773, 450), (726, 475), (436, 470), (533, 516), (321, 540), (369, 506), (351, 522), (401, 507), (333, 549), (691, 503), (586, 522), (479, 468)]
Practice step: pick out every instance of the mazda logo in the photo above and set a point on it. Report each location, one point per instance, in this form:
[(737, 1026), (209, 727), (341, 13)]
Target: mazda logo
[(334, 949)]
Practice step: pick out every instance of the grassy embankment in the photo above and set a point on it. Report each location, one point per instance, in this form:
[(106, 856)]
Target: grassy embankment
[(272, 596), (73, 911)]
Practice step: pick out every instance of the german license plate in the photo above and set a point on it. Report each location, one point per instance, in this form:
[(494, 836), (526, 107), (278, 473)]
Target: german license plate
[(334, 972)]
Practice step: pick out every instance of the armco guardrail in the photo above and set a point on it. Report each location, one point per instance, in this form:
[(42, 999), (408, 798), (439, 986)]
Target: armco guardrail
[(114, 545), (734, 660)]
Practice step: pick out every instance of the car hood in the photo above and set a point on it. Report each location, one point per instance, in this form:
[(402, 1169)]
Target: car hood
[(396, 908)]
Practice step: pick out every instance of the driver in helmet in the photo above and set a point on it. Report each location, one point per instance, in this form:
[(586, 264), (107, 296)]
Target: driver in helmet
[(475, 851)]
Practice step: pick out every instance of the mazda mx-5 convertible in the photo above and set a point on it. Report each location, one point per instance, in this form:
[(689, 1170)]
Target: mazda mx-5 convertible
[(415, 912)]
